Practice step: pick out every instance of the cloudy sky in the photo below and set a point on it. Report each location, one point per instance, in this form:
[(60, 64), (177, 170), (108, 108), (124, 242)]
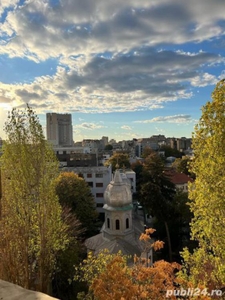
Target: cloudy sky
[(126, 69)]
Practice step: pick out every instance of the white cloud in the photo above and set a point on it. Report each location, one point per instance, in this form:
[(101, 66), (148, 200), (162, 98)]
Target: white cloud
[(126, 127), (178, 119), (4, 99), (120, 84), (86, 27), (204, 80), (107, 52), (7, 4), (160, 130), (88, 126)]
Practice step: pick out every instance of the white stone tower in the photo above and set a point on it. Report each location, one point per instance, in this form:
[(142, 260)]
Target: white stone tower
[(118, 208)]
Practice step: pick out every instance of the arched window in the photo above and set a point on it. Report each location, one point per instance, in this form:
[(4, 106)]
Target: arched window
[(127, 223), (117, 224), (108, 222)]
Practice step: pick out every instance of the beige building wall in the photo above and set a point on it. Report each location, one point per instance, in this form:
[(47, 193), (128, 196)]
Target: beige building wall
[(59, 129)]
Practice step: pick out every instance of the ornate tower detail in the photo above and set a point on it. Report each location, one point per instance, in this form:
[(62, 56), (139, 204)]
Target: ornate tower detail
[(118, 208)]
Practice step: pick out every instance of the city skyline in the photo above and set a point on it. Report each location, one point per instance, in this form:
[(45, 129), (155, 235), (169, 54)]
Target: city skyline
[(125, 70)]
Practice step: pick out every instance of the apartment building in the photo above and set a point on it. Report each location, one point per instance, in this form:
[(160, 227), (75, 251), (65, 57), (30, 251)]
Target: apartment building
[(97, 178), (59, 129)]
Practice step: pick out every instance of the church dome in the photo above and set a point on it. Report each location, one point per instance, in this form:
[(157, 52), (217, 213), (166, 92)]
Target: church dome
[(118, 192)]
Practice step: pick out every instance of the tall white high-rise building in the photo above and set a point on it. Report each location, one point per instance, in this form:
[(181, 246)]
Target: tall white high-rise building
[(59, 129)]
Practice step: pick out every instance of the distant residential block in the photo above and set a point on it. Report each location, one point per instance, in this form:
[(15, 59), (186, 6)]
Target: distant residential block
[(59, 129)]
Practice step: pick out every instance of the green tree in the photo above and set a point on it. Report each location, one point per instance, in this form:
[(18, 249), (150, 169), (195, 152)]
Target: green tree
[(121, 159), (62, 287), (75, 193), (171, 152), (157, 192), (137, 167), (207, 263), (31, 227), (108, 147), (179, 224), (182, 165)]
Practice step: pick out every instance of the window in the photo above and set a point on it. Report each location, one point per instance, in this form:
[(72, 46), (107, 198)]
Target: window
[(99, 184), (108, 222), (89, 175), (99, 195), (117, 224), (90, 183), (99, 204), (99, 175), (127, 223)]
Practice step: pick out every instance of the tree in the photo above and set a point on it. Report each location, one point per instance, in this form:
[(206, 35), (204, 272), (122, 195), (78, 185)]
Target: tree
[(207, 263), (109, 277), (182, 165), (108, 147), (157, 192), (147, 151), (31, 227), (62, 287), (179, 224), (75, 193), (170, 151), (121, 159), (137, 167)]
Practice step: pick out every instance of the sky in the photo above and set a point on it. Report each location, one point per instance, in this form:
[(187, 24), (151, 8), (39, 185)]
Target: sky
[(123, 69)]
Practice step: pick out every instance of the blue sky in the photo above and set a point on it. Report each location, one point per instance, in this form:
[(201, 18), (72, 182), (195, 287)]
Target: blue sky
[(125, 69)]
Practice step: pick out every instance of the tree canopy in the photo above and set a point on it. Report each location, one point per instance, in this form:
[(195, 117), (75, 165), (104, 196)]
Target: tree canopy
[(122, 159), (108, 147), (207, 194), (182, 165), (171, 151), (75, 193), (31, 227), (157, 191), (109, 277)]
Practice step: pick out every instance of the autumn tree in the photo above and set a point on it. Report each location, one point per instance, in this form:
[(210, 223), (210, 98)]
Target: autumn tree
[(122, 159), (207, 194), (75, 193), (110, 277), (147, 151), (31, 227)]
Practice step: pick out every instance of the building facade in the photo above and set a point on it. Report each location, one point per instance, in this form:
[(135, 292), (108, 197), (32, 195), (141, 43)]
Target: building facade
[(59, 129), (97, 178)]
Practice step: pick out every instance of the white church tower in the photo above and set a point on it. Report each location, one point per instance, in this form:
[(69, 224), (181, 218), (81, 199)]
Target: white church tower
[(118, 209), (121, 231)]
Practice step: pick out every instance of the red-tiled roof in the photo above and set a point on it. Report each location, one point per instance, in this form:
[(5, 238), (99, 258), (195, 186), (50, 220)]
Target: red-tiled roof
[(178, 178)]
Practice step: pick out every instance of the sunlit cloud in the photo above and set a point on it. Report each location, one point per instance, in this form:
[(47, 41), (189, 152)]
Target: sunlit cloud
[(88, 126), (178, 119), (95, 57), (126, 127)]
